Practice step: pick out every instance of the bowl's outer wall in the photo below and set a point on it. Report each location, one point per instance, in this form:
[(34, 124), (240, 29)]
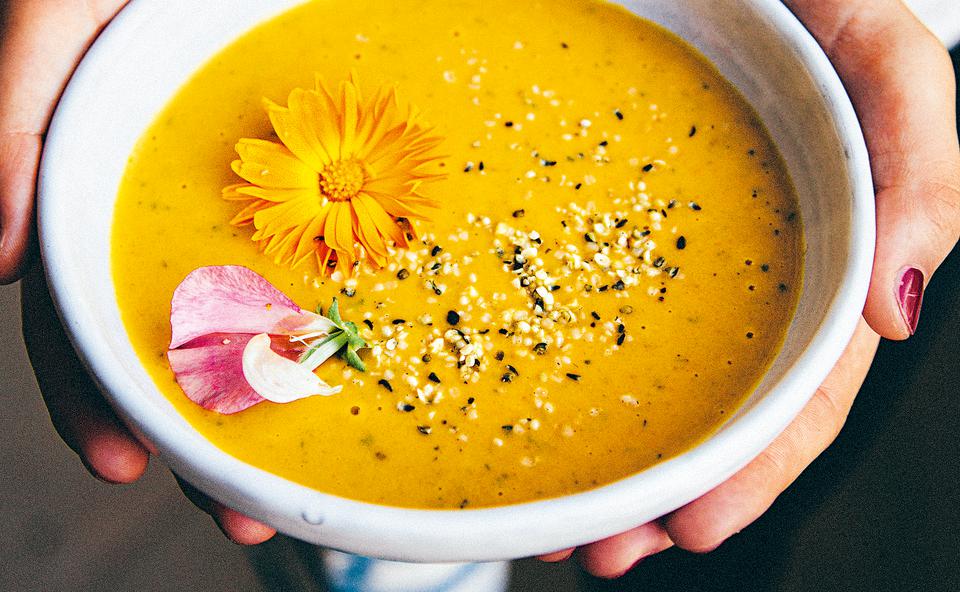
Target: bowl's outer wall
[(153, 47)]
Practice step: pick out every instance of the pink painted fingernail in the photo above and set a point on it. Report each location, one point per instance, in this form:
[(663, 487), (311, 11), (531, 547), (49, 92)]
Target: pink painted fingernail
[(910, 296)]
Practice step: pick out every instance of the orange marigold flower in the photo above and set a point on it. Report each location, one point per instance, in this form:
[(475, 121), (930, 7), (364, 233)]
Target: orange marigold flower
[(344, 183)]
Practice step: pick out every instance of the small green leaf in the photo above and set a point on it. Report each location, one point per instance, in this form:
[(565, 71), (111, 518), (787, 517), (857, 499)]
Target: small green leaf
[(333, 313), (354, 360), (353, 336)]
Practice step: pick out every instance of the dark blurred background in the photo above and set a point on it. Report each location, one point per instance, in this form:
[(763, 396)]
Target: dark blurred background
[(879, 511)]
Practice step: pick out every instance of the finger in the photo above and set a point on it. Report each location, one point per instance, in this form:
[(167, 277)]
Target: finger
[(239, 528), (557, 556), (706, 522), (77, 409), (615, 556), (19, 160), (235, 526), (901, 82), (40, 45)]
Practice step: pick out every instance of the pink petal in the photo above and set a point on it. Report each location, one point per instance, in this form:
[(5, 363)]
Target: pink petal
[(211, 374), (234, 299), (277, 378)]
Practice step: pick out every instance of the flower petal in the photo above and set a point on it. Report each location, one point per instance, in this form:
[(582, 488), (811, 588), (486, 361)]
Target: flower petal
[(400, 208), (388, 226), (278, 379), (311, 236), (281, 246), (296, 133), (272, 165), (344, 227), (248, 191), (324, 257), (370, 235), (330, 235), (349, 113), (245, 216), (234, 299), (211, 374), (296, 212)]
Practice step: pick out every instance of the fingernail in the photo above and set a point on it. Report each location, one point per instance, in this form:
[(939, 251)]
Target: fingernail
[(910, 296)]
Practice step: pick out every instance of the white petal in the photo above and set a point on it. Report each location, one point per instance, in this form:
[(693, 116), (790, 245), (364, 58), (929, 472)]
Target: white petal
[(316, 322), (303, 322), (278, 379)]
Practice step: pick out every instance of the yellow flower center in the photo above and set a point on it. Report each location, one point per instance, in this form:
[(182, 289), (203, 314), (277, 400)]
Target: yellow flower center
[(342, 180)]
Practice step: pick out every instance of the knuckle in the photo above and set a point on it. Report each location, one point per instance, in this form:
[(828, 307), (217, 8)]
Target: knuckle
[(827, 415), (943, 197), (773, 461), (929, 190)]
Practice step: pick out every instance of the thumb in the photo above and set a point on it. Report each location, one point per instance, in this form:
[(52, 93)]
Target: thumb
[(40, 44), (917, 226), (902, 85), (906, 97)]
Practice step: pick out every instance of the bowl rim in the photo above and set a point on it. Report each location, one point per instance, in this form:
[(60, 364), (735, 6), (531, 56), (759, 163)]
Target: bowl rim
[(432, 535)]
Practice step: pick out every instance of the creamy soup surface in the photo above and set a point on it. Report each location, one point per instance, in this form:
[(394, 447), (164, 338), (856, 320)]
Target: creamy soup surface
[(617, 236)]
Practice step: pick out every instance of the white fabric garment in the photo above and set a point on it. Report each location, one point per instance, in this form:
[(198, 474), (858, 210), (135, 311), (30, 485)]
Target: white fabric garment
[(942, 16)]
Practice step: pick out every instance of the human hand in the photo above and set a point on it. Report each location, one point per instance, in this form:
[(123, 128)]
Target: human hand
[(40, 44), (901, 82)]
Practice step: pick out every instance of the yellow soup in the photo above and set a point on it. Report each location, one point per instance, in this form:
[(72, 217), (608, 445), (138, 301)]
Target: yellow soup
[(617, 236)]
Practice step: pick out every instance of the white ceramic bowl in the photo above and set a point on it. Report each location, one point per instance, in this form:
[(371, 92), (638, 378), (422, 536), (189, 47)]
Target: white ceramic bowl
[(153, 47)]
